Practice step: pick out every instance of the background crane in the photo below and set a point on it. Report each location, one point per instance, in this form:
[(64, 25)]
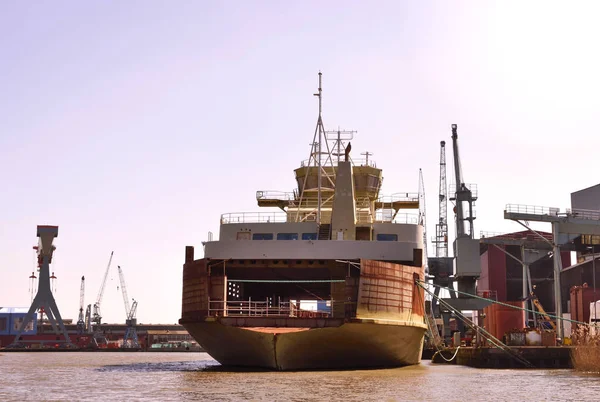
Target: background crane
[(130, 340), (97, 315), (81, 321), (462, 194), (441, 229), (95, 328), (422, 216)]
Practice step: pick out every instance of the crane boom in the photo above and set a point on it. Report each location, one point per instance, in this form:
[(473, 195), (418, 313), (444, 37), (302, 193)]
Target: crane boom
[(422, 215), (124, 290), (130, 340), (441, 230), (81, 320), (460, 221), (97, 316)]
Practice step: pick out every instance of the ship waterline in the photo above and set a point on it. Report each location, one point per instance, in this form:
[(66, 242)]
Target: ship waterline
[(351, 345)]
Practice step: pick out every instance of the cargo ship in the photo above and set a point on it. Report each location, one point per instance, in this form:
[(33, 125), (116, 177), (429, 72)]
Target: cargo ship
[(326, 282)]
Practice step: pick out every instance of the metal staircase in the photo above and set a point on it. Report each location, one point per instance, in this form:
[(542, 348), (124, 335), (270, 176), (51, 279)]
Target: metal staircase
[(325, 231)]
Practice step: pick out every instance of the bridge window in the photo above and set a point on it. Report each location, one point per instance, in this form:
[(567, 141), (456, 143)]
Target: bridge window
[(387, 237), (287, 236), (309, 236), (262, 236)]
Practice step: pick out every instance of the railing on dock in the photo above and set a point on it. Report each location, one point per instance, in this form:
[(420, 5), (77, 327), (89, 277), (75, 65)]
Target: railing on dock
[(531, 209)]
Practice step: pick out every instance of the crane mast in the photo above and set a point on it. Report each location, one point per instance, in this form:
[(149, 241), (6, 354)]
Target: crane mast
[(462, 193), (97, 315), (422, 215), (81, 320), (441, 229), (130, 340), (124, 291)]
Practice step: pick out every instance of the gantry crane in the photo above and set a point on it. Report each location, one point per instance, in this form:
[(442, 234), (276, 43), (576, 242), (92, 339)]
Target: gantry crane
[(81, 321), (97, 315), (130, 340)]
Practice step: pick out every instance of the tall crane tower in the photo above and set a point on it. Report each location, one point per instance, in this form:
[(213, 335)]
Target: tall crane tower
[(44, 299), (441, 267), (96, 314), (422, 215), (441, 229), (130, 340), (81, 319)]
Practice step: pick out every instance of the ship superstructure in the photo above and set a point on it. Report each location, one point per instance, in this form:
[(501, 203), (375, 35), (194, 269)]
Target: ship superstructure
[(327, 280)]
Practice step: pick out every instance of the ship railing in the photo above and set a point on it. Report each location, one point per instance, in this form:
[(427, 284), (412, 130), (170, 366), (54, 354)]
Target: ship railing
[(253, 217), (387, 216), (404, 197), (249, 308), (275, 195), (326, 161)]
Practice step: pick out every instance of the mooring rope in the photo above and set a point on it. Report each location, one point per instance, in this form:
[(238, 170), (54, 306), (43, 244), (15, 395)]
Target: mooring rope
[(503, 304), (488, 336)]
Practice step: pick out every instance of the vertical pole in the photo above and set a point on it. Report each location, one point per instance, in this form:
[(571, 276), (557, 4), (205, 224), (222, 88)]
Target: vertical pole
[(557, 269), (594, 280), (531, 301), (319, 156), (525, 313)]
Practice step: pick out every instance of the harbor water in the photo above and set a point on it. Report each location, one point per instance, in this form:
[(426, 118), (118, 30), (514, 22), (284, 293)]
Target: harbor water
[(195, 376)]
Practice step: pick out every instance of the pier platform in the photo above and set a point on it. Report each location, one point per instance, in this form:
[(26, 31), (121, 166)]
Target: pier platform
[(491, 357)]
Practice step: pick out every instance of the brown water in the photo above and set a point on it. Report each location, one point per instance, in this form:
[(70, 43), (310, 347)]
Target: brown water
[(195, 376)]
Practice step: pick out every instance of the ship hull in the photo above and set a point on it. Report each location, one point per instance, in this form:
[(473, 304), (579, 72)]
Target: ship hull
[(351, 345)]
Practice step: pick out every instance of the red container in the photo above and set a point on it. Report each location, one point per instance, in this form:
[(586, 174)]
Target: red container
[(581, 297), (502, 319)]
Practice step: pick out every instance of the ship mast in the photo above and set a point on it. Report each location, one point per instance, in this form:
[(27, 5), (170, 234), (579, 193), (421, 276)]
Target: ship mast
[(320, 131)]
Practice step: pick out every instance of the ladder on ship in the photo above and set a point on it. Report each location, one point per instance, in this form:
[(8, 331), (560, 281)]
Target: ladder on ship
[(433, 329), (324, 231)]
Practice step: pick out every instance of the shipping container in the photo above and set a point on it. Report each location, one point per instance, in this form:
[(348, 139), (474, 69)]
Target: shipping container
[(501, 319), (4, 321), (17, 316)]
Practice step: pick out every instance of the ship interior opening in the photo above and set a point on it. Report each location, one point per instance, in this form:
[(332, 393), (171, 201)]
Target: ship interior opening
[(265, 287)]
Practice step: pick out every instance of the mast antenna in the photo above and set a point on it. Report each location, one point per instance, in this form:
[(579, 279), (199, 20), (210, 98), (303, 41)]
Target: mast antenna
[(320, 131)]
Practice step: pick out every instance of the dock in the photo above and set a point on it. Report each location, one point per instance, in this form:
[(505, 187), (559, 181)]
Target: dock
[(557, 357)]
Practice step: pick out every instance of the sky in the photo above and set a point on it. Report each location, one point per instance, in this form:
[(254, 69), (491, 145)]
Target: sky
[(133, 126)]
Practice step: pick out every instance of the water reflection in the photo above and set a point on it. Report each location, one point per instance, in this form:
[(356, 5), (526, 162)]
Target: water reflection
[(195, 376)]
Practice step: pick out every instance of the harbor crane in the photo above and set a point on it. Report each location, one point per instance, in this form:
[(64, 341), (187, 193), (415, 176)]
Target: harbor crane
[(422, 216), (130, 340), (441, 229), (441, 267), (97, 315), (81, 320)]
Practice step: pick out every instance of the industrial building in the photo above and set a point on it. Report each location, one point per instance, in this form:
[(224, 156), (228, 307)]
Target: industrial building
[(504, 275), (149, 334)]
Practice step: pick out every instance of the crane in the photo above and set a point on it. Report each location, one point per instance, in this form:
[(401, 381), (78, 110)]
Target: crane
[(130, 340), (88, 319), (81, 320), (536, 302), (422, 219), (97, 316), (441, 229), (462, 193)]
